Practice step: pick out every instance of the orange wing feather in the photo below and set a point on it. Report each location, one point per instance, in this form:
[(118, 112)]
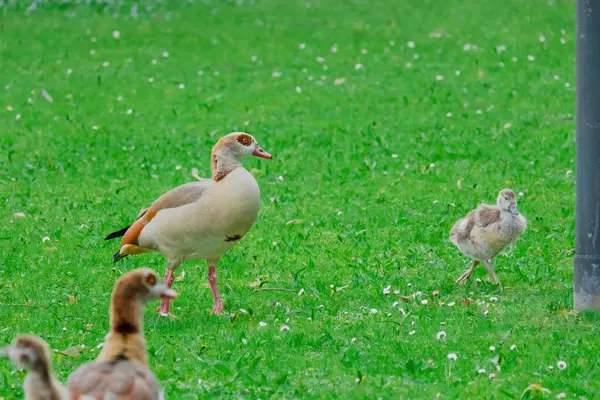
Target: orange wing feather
[(132, 234)]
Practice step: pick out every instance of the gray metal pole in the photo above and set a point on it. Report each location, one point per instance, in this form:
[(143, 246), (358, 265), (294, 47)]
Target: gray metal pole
[(587, 253)]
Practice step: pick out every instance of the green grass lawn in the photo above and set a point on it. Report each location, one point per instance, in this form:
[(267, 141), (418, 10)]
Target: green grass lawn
[(388, 121)]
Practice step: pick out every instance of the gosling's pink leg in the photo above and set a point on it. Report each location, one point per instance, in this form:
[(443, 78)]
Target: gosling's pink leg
[(490, 269), (463, 279)]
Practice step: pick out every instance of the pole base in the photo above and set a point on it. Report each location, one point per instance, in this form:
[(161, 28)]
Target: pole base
[(586, 293)]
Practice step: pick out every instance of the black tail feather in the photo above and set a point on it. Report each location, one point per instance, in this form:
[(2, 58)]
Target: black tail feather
[(117, 234), (118, 256)]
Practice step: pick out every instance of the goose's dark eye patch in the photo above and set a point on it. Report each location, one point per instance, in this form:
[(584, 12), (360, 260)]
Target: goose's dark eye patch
[(244, 139), (151, 280)]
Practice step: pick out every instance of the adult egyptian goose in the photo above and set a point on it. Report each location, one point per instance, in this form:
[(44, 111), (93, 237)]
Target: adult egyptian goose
[(121, 370), (200, 220), (33, 353), (486, 231)]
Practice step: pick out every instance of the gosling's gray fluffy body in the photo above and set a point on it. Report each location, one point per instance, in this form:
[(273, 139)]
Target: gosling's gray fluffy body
[(486, 231)]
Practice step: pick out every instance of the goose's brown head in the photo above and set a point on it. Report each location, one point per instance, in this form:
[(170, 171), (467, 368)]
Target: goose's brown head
[(240, 144), (144, 284)]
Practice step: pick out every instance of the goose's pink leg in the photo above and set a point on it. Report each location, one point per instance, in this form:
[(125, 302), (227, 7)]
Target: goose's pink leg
[(212, 280), (169, 279)]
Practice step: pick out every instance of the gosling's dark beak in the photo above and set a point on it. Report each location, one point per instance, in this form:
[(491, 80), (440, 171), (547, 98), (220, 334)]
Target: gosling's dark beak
[(513, 209)]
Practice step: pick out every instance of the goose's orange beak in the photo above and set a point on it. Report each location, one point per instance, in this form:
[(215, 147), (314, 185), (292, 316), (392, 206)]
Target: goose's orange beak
[(259, 152)]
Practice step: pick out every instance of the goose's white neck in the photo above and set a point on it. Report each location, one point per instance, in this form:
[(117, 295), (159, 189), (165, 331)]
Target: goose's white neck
[(223, 162)]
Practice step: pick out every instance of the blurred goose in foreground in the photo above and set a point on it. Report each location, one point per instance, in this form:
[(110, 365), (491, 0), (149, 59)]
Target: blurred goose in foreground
[(33, 353), (121, 370), (200, 220), (486, 231)]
